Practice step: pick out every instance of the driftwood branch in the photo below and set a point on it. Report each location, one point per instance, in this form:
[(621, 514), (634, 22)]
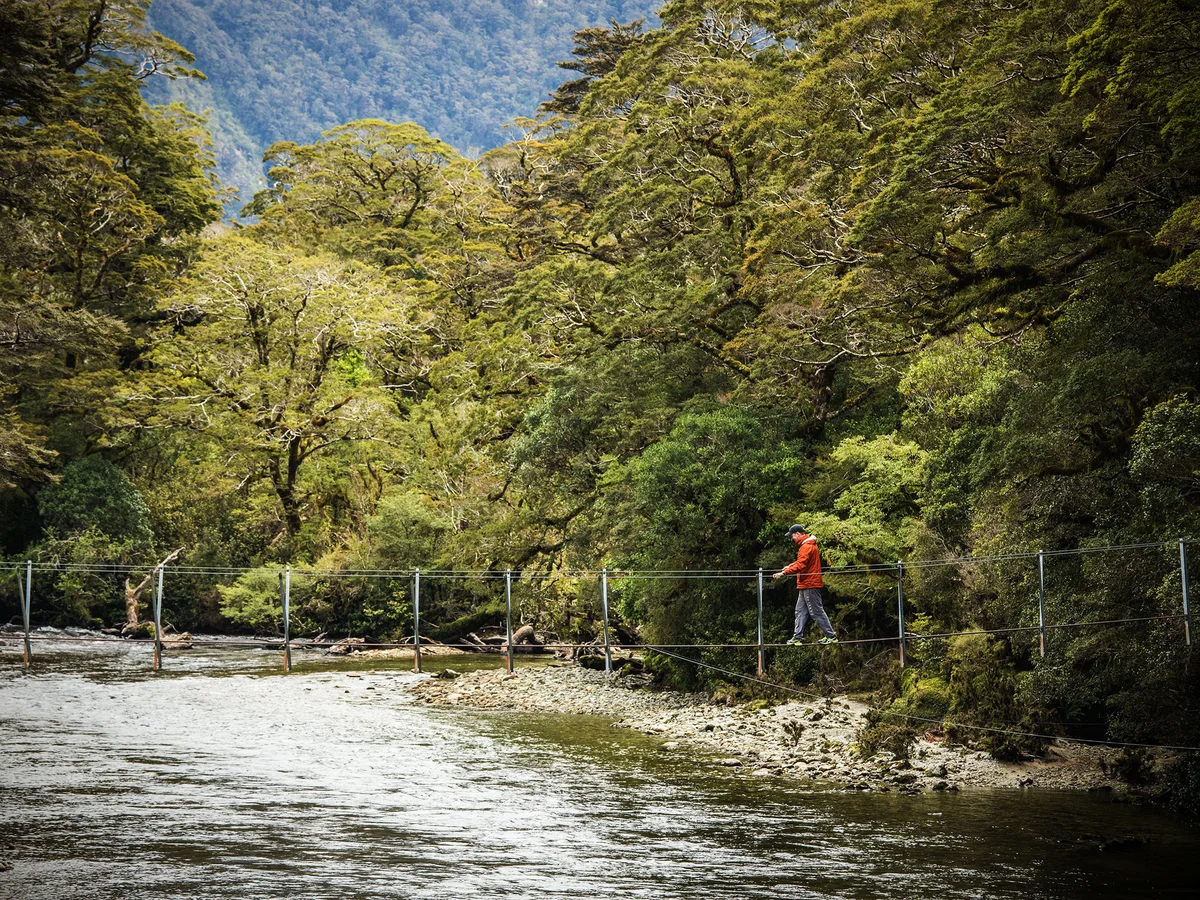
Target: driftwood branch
[(133, 595)]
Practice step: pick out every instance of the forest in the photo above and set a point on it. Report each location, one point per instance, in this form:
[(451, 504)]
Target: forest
[(921, 275), (288, 69)]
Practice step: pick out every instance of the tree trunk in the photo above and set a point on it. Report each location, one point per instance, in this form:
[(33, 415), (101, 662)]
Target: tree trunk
[(285, 488), (133, 595)]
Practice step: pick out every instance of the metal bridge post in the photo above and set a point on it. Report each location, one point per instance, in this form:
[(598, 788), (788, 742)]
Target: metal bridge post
[(1187, 612), (508, 614), (1042, 602), (417, 620), (761, 668), (604, 606), (900, 607), (25, 607), (287, 619), (158, 590)]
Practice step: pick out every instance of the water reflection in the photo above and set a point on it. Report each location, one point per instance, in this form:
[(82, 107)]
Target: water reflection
[(220, 778)]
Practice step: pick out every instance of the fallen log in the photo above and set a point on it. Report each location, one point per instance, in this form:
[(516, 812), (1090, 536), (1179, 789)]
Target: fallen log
[(181, 641), (346, 646), (524, 640)]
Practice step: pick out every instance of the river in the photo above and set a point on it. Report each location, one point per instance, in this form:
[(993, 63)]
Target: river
[(222, 778)]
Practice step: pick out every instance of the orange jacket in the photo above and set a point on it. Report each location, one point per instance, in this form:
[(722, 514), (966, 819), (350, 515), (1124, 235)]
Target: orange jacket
[(807, 565)]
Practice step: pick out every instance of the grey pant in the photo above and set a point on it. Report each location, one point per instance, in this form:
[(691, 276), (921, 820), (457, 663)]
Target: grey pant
[(808, 603)]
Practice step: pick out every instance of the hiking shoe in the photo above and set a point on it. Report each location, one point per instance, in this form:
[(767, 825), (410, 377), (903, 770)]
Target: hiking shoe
[(794, 642), (828, 640)]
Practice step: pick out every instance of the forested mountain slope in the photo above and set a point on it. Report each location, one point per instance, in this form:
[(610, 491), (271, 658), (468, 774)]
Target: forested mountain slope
[(289, 69)]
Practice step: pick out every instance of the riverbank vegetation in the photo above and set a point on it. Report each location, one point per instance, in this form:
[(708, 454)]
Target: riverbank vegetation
[(919, 275)]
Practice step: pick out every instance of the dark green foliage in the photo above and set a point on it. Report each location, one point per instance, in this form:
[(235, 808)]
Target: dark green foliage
[(1180, 785), (100, 195), (985, 703), (673, 672), (93, 516), (94, 494), (597, 52), (925, 700), (698, 499), (1133, 765), (793, 665)]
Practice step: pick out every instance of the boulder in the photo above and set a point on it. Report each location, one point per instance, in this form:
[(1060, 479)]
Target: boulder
[(181, 641)]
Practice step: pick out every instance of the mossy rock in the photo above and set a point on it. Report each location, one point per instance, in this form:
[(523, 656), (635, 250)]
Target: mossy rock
[(927, 698)]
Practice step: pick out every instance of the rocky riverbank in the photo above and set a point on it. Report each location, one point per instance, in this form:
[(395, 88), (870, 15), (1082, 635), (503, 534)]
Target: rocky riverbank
[(810, 739)]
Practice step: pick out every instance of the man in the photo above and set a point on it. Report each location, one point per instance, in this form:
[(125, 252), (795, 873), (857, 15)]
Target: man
[(809, 582)]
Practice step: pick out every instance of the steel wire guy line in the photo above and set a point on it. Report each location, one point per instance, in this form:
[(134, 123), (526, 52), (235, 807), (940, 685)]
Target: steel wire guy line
[(864, 569), (630, 574)]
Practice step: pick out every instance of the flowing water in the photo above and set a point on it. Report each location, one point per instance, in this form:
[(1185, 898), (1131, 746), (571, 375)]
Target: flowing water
[(222, 778)]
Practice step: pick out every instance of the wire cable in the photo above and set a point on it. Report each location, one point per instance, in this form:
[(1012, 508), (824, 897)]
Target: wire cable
[(638, 574)]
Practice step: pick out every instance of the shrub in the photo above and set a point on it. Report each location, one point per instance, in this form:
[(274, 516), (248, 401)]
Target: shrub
[(885, 732), (924, 698), (1181, 785), (983, 685)]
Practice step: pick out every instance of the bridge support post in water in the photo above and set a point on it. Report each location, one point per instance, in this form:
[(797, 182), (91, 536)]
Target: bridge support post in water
[(604, 607), (285, 598), (1042, 602), (1183, 573), (26, 595), (761, 668), (900, 608), (508, 615), (417, 620), (158, 590)]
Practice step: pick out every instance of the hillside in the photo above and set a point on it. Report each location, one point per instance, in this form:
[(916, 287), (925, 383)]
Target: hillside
[(290, 69)]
